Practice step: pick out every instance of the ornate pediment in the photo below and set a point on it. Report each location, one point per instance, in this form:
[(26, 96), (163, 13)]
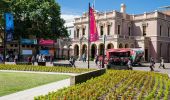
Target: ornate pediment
[(108, 23), (144, 23)]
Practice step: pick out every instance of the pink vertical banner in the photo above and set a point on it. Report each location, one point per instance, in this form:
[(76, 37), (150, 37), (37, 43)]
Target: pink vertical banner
[(93, 29)]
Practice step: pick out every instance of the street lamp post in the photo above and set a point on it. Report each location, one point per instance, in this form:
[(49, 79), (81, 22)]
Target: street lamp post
[(104, 38), (4, 46), (81, 40)]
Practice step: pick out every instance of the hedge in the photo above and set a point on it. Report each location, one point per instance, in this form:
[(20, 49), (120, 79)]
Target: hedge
[(43, 68)]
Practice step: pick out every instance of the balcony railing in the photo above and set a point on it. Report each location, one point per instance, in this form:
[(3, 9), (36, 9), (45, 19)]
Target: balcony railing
[(112, 37)]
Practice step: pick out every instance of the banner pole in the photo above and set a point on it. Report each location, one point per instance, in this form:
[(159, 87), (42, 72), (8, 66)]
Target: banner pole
[(4, 44), (89, 38)]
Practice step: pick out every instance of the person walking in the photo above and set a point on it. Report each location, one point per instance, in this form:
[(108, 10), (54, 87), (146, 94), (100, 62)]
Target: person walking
[(72, 61), (129, 64), (100, 61), (37, 57), (84, 57), (16, 58), (162, 63), (51, 59), (33, 60), (96, 59), (152, 63), (40, 58), (7, 57), (43, 58)]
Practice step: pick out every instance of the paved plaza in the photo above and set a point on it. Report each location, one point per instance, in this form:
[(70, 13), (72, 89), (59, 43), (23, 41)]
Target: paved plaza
[(81, 64)]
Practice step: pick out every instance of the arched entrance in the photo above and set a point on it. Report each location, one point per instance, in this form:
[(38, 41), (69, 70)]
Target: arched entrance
[(132, 46), (93, 50), (101, 48), (84, 49), (126, 46), (110, 46), (76, 50), (120, 45), (168, 52)]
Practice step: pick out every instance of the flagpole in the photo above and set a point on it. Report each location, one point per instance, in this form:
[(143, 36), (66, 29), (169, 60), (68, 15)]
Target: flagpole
[(89, 38), (94, 2)]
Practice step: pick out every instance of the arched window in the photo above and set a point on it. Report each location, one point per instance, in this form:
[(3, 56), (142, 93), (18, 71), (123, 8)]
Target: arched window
[(120, 45)]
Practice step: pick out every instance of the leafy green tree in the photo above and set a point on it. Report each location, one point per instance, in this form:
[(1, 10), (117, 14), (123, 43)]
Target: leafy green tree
[(40, 18)]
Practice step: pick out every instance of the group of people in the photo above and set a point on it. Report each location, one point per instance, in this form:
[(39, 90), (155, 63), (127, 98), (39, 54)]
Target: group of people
[(39, 58), (152, 63)]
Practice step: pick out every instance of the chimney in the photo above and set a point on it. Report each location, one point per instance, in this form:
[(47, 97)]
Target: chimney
[(123, 8)]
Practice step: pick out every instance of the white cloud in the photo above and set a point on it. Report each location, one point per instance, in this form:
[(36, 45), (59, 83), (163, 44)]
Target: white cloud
[(69, 17)]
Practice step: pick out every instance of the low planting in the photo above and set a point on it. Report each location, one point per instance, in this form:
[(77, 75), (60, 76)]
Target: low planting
[(14, 82), (43, 68), (117, 85)]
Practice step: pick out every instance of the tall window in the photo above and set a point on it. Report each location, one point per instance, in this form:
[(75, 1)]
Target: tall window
[(77, 33), (144, 30), (69, 32), (83, 31), (160, 51), (118, 30), (168, 32), (129, 31), (160, 30), (108, 29), (101, 30)]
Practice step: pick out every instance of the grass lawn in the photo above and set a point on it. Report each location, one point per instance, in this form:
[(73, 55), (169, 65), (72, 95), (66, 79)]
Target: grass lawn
[(14, 82)]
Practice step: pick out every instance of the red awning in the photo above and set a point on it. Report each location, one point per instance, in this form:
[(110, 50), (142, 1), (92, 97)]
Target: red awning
[(46, 42)]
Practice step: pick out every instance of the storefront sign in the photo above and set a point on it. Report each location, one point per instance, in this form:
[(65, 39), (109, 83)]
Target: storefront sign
[(46, 42), (44, 52), (27, 52), (28, 41)]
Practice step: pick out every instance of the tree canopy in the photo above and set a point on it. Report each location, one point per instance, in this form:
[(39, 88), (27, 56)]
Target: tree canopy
[(40, 18)]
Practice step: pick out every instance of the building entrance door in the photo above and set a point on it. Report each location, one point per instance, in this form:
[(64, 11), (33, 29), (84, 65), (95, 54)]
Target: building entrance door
[(146, 54)]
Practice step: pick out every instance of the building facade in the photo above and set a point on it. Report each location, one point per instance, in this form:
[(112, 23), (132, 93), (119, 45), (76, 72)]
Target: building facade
[(150, 31)]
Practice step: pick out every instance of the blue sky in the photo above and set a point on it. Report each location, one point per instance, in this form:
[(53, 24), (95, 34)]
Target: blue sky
[(77, 7)]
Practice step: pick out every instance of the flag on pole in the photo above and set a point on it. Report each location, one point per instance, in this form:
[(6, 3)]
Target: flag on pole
[(93, 29)]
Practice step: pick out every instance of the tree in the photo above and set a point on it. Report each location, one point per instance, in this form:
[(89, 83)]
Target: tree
[(40, 18)]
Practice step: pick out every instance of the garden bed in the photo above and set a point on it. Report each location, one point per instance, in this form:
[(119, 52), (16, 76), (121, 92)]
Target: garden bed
[(117, 85), (43, 68)]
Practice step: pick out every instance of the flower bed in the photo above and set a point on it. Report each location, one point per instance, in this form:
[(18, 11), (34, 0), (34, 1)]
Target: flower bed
[(117, 85), (43, 68)]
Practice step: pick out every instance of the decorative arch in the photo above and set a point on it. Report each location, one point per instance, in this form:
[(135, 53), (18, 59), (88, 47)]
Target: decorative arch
[(126, 45), (132, 46), (110, 46), (101, 48), (76, 50), (120, 45), (84, 49), (93, 50), (168, 52)]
